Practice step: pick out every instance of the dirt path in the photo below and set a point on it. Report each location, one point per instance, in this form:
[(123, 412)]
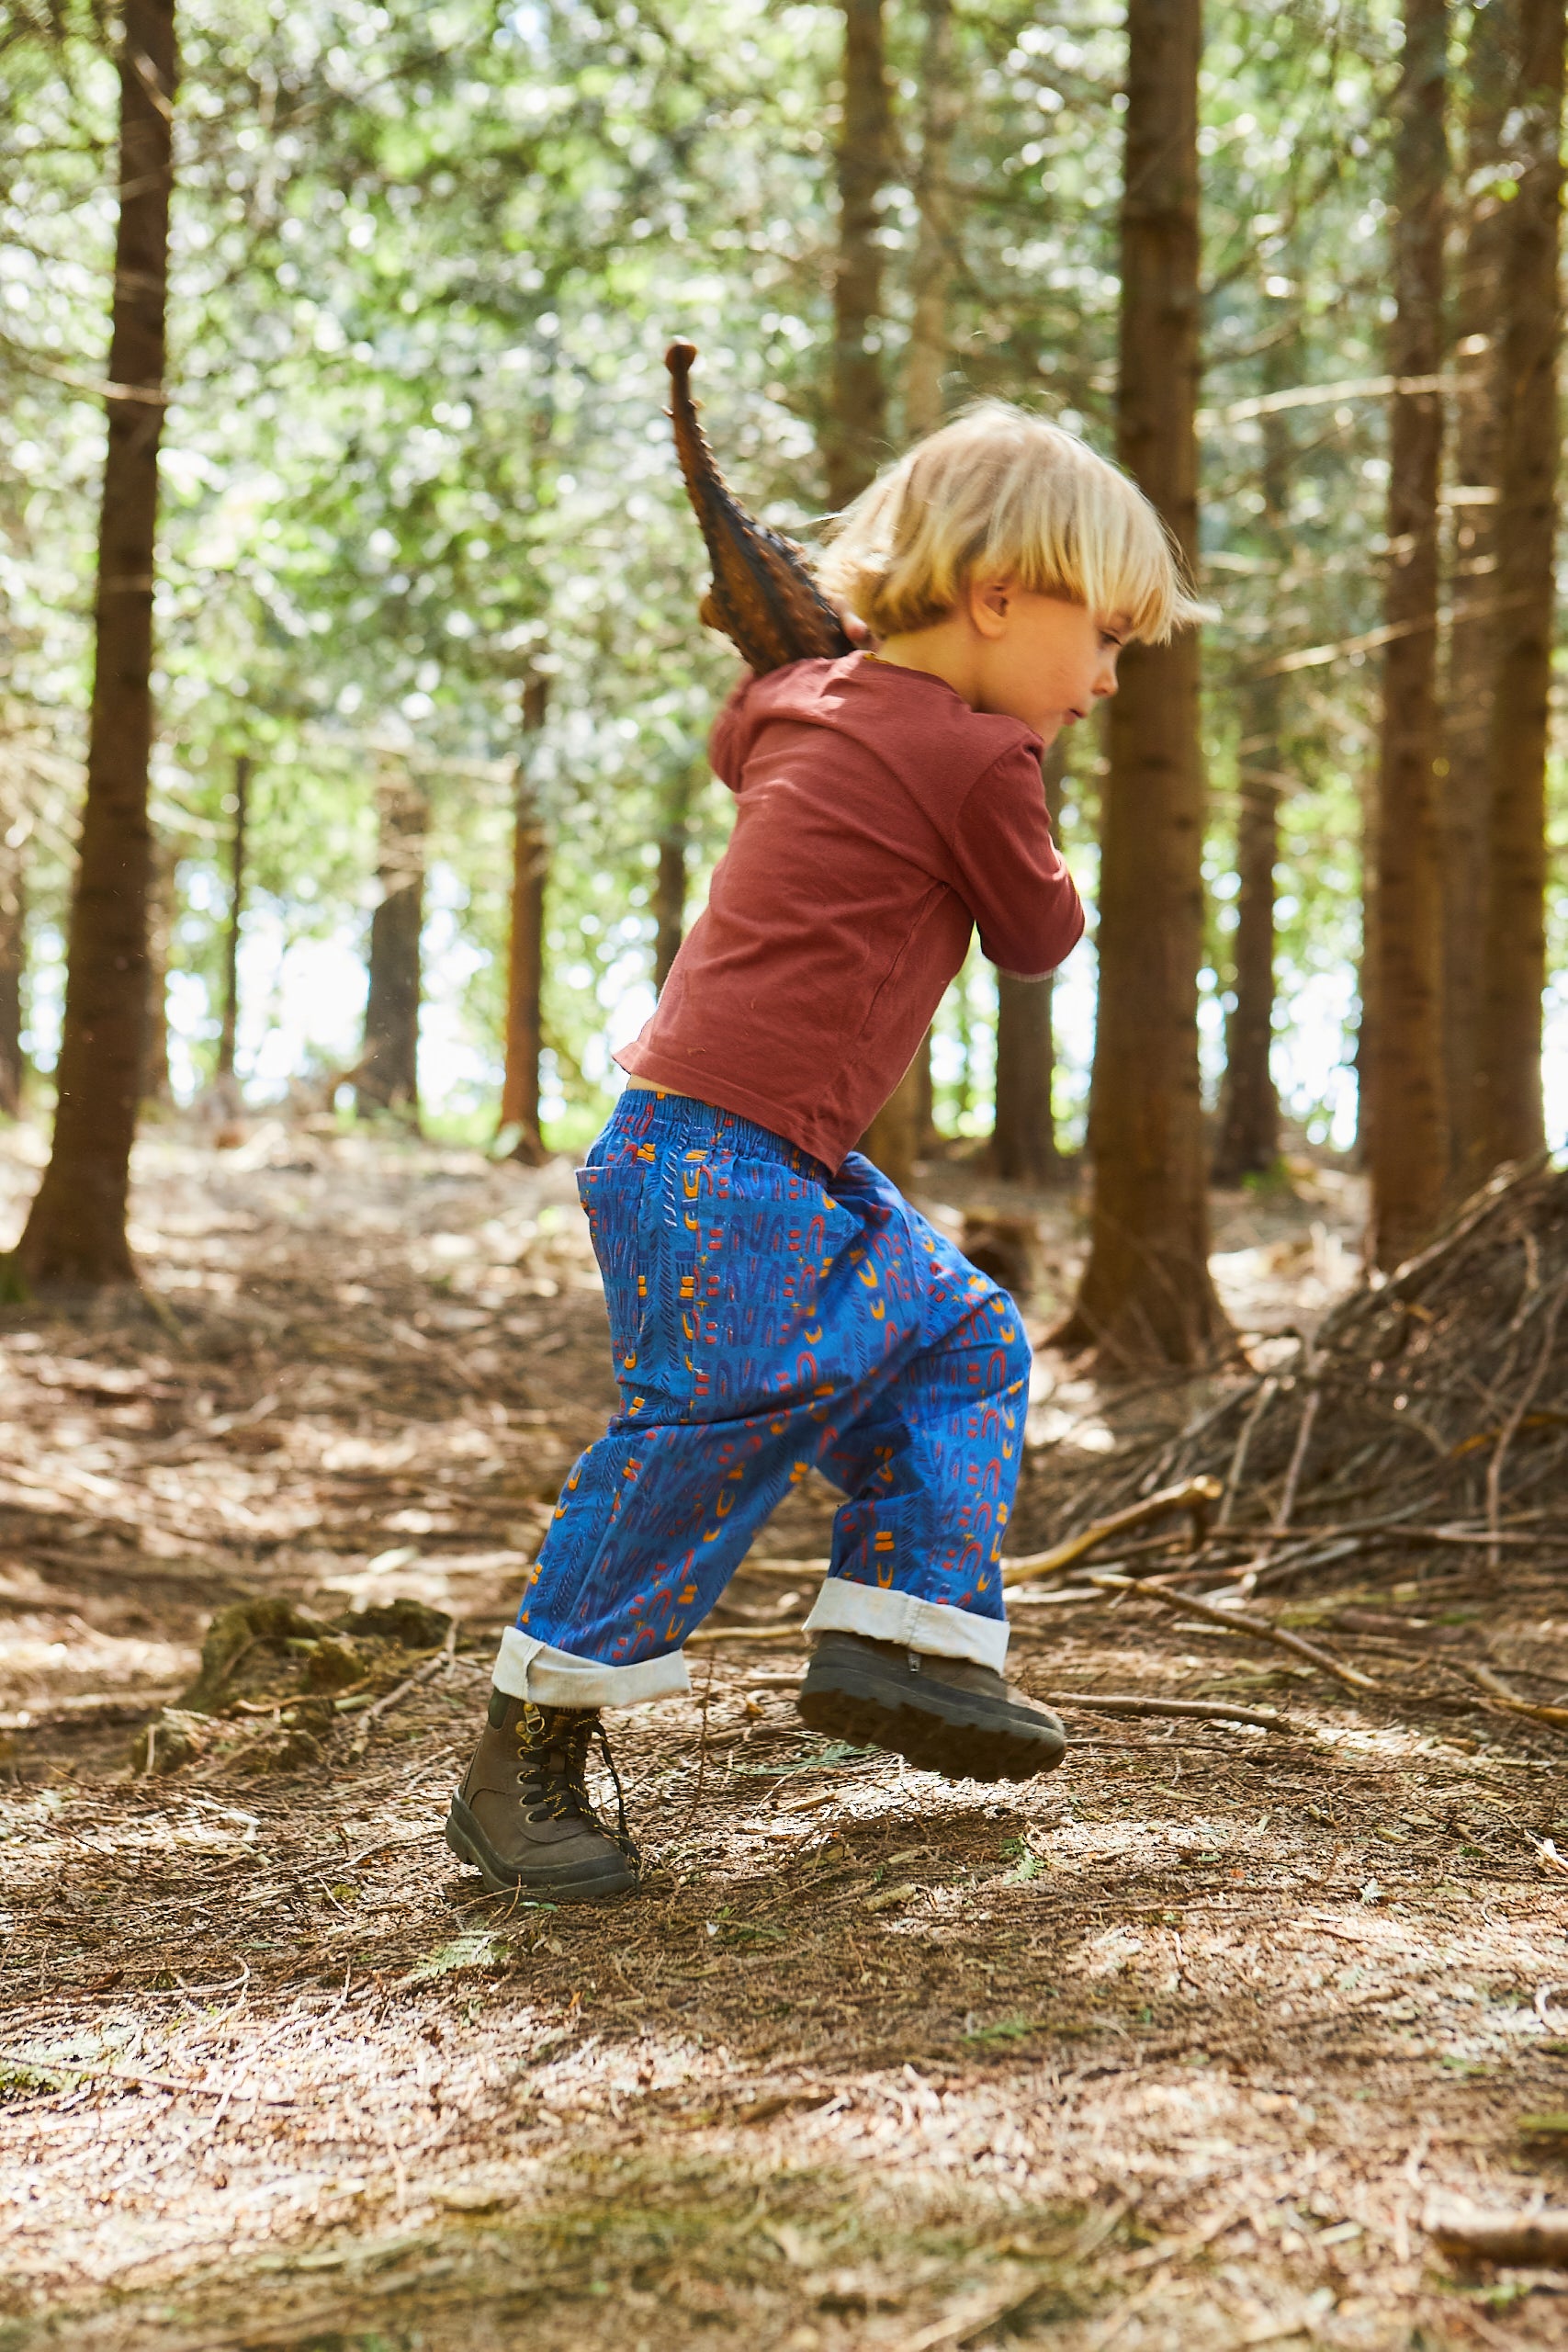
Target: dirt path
[(1176, 2050)]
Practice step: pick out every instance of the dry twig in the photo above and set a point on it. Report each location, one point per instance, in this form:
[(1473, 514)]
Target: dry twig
[(1199, 1710), (1187, 1605), (1495, 1688), (1193, 1496), (1519, 2238)]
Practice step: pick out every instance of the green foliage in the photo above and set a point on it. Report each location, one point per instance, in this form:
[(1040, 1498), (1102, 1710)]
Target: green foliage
[(425, 265)]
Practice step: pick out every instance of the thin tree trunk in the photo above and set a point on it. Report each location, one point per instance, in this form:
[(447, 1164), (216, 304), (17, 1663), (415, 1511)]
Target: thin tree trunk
[(75, 1233), (855, 440), (388, 1071), (1473, 635), (942, 100), (1510, 1122), (156, 1087), (1147, 1293), (1023, 1134), (926, 359), (238, 846), (525, 948), (669, 880), (1248, 1139), (1409, 1129), (13, 958)]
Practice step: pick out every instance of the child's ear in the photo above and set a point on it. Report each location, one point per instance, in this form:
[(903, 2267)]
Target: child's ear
[(988, 602)]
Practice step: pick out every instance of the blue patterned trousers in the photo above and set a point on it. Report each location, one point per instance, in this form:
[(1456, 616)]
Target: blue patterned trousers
[(768, 1318)]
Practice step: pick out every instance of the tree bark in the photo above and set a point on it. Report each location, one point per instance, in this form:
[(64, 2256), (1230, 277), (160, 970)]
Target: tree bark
[(926, 358), (14, 829), (669, 880), (1473, 561), (75, 1234), (942, 100), (1408, 1137), (1248, 1141), (525, 947), (238, 847), (855, 441), (1023, 1134), (1510, 1123), (162, 867), (1147, 1293), (388, 1070), (856, 435)]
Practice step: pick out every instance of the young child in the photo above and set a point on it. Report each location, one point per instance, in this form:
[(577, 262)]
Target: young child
[(775, 1304)]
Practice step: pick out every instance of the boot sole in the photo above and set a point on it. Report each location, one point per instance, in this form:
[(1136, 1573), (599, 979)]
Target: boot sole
[(947, 1732), (580, 1883)]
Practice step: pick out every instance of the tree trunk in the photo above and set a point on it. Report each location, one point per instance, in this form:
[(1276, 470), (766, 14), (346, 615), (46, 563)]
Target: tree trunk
[(525, 948), (238, 845), (893, 1139), (75, 1233), (931, 277), (1471, 655), (926, 359), (1510, 1123), (1409, 1129), (162, 867), (1023, 1140), (670, 881), (1147, 1293), (1023, 1134), (1248, 1140), (14, 829), (388, 1070), (855, 441)]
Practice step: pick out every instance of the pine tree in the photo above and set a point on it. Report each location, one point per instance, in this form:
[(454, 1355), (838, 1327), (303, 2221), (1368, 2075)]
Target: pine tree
[(1403, 1055), (75, 1233), (1147, 1293)]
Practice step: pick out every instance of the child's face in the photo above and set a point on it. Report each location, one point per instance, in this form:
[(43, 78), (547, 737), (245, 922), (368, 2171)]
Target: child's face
[(1042, 659)]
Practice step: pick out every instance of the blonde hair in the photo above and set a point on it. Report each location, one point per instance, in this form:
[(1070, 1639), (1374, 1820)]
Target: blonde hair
[(1000, 494)]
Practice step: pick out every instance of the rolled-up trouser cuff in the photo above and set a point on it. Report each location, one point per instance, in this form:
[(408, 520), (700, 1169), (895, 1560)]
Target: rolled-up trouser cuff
[(915, 1624), (529, 1669)]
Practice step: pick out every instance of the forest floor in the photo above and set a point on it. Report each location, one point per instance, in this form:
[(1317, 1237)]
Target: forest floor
[(1182, 2047)]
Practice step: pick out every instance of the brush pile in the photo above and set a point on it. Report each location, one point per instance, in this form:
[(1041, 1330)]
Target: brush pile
[(1430, 1409)]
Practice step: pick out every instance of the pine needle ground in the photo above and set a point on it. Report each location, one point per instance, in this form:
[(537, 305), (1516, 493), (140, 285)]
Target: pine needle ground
[(1182, 2046)]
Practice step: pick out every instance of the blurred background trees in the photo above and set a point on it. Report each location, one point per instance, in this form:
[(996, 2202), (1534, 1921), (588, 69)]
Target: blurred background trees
[(420, 533)]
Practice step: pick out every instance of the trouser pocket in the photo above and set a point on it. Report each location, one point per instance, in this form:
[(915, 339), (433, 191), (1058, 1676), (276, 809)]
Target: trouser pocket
[(613, 1199)]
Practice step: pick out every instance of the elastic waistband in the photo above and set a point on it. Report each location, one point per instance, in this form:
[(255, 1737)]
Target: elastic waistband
[(678, 1123)]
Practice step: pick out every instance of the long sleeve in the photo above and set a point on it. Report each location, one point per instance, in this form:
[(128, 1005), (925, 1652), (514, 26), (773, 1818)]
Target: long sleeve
[(1010, 873)]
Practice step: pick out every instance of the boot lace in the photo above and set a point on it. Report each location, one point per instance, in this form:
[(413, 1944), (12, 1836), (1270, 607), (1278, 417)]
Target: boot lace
[(552, 1748)]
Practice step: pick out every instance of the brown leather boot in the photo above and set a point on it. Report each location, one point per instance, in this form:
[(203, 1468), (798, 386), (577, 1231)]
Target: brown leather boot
[(945, 1714), (522, 1816)]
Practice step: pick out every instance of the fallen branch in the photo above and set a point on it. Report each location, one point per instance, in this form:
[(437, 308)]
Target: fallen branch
[(1187, 1606), (1495, 1688), (1200, 1710), (1196, 1497), (747, 1634), (1527, 2239)]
